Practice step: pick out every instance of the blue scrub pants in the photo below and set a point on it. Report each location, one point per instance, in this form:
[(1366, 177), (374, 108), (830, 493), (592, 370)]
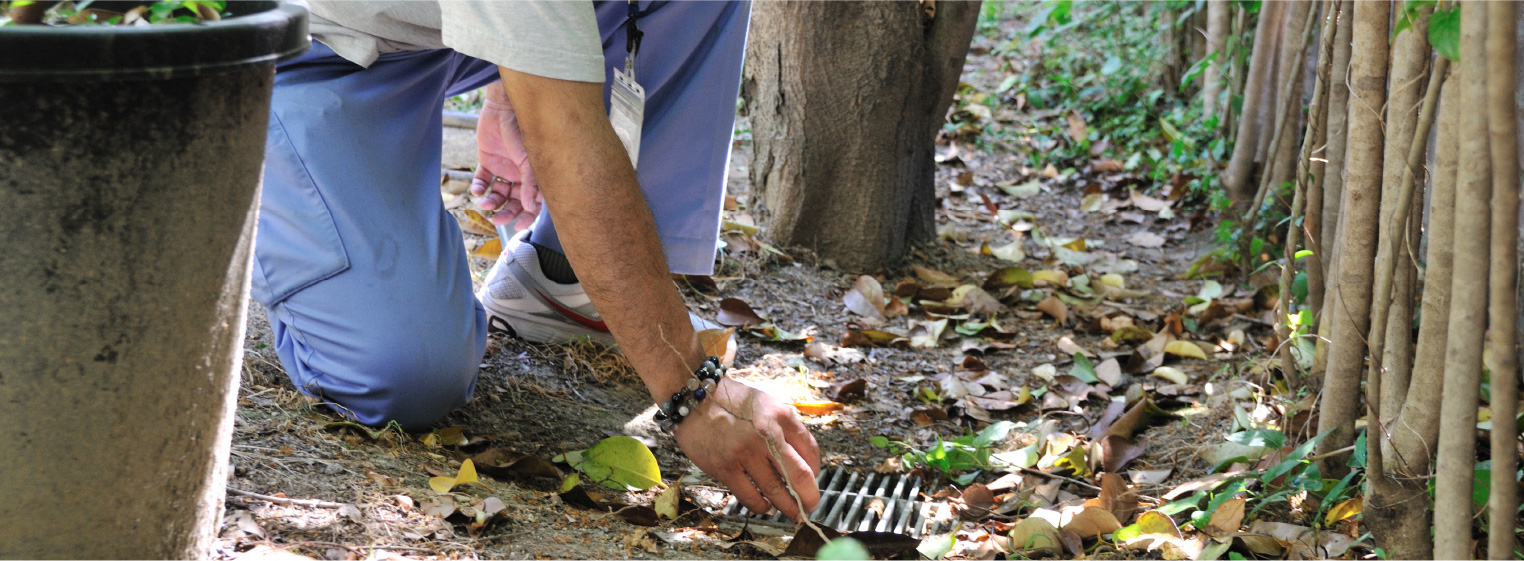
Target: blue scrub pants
[(363, 271)]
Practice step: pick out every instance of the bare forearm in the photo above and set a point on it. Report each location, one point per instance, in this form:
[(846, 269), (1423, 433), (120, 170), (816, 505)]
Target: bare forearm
[(605, 227)]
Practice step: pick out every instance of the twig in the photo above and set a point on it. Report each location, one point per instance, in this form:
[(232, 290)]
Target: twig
[(371, 547), (1060, 477), (285, 501), (1332, 453)]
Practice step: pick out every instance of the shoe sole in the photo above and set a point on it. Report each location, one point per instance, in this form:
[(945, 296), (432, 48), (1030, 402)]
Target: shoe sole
[(535, 329)]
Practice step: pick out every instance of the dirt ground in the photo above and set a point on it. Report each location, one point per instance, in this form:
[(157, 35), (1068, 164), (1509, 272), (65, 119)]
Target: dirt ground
[(545, 400)]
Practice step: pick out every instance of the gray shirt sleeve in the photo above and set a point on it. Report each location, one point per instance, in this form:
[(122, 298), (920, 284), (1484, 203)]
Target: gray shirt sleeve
[(551, 39), (554, 39)]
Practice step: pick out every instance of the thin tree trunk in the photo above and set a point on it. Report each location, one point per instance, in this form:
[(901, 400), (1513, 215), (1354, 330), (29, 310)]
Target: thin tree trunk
[(1303, 180), (1316, 278), (1468, 308), (1238, 35), (1357, 238), (1258, 87), (1502, 288), (1415, 434), (1338, 137), (1398, 527), (1410, 60), (1216, 39), (1297, 34)]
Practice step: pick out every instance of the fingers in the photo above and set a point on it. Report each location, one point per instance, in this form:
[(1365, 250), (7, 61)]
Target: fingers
[(766, 478), (801, 441), (745, 491), (801, 476)]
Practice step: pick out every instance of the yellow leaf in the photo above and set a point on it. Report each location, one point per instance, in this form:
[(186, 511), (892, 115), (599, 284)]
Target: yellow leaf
[(441, 484), (488, 249), (1174, 375), (1035, 534), (817, 407), (1091, 522), (1185, 349), (1076, 245), (1344, 510), (1053, 277), (1113, 280), (720, 343), (1091, 203), (667, 502), (473, 222)]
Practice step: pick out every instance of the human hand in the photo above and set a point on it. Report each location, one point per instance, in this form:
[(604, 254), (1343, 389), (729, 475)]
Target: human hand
[(749, 441), (504, 183)]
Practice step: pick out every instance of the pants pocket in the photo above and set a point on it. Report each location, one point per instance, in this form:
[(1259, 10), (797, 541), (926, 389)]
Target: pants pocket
[(298, 243)]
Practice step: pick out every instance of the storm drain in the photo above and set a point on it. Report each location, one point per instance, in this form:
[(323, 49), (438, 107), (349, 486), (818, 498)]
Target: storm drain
[(875, 502)]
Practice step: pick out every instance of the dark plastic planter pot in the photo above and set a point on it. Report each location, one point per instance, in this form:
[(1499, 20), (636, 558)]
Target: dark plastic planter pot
[(130, 163)]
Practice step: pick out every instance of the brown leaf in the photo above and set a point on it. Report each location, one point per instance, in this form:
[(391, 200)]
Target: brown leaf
[(871, 338), (1092, 522), (933, 277), (866, 298), (507, 464), (1117, 452), (895, 308), (1077, 129), (849, 391), (736, 312), (700, 283), (1143, 415), (1230, 515), (1035, 535), (1114, 410), (1054, 308), (976, 502), (473, 222), (1147, 203), (639, 515), (488, 249), (929, 415), (885, 545), (1110, 372), (907, 288), (807, 541), (720, 343), (1116, 497)]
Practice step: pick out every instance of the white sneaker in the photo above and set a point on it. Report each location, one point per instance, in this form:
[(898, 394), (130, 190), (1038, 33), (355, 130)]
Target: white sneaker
[(522, 302)]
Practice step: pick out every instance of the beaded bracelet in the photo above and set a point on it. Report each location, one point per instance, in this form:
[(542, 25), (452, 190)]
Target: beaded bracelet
[(703, 383)]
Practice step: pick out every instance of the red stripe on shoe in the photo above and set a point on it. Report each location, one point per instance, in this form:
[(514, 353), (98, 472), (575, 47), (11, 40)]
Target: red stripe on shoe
[(590, 323)]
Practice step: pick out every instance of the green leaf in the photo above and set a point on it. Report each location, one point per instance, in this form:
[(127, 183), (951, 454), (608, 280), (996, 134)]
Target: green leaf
[(1357, 459), (843, 549), (1180, 505), (1260, 438), (1196, 70), (1083, 370), (1295, 458), (878, 442), (1112, 65), (937, 548), (993, 434), (621, 463), (1444, 32), (1303, 254)]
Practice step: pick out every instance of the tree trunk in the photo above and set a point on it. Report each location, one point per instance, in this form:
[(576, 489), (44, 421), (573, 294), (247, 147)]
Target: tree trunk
[(845, 100), (1415, 435), (1357, 239), (1410, 60), (1502, 291), (1316, 273), (1338, 136), (1216, 40), (1468, 308), (1293, 55), (1259, 90)]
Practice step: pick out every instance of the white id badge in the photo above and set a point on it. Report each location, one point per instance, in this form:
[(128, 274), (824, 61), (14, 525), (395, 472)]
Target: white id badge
[(627, 108)]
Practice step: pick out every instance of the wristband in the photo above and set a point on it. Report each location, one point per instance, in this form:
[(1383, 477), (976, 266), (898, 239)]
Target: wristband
[(704, 381)]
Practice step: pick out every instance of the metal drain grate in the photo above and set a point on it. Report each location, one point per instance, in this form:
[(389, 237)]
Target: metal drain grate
[(853, 502)]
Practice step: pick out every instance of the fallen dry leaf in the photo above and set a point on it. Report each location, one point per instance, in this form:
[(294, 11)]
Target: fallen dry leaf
[(736, 312), (1055, 308), (1230, 515), (817, 407), (1146, 239)]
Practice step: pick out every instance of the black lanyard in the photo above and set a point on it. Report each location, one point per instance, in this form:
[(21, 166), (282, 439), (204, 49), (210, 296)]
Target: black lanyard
[(633, 34)]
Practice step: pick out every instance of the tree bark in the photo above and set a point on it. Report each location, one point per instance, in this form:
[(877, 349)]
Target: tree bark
[(1216, 40), (1415, 434), (1338, 137), (1410, 58), (1502, 288), (1357, 239), (1468, 308), (845, 100), (1399, 528), (1316, 275), (1259, 90), (1295, 33)]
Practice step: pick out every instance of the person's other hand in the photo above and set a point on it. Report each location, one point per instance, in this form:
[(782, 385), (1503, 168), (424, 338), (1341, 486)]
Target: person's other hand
[(728, 437), (503, 183)]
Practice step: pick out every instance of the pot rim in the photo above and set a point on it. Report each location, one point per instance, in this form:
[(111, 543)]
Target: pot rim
[(258, 32)]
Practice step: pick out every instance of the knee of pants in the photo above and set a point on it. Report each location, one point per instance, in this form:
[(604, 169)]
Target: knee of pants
[(394, 371)]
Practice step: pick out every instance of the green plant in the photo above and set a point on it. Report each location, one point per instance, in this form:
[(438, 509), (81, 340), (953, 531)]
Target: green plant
[(947, 457), (160, 12)]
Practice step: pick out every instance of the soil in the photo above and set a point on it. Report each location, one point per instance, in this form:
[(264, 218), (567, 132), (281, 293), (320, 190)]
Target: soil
[(546, 400)]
